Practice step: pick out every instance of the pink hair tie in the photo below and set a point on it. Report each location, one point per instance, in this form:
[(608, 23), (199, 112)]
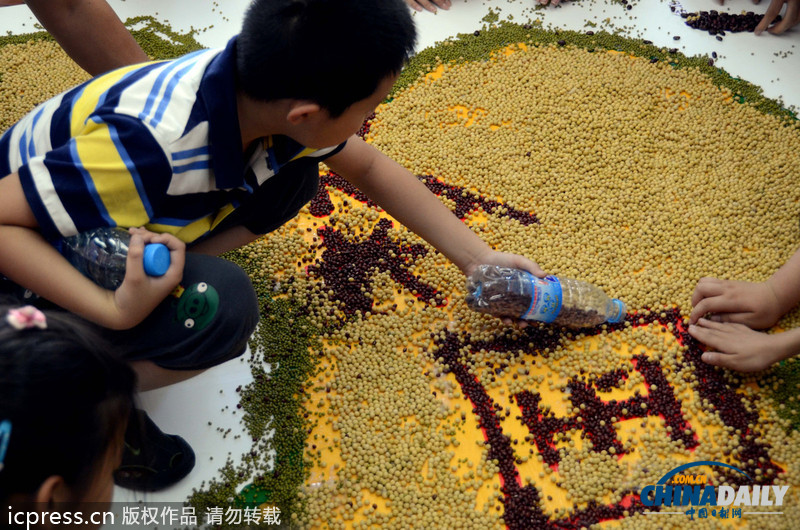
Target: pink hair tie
[(26, 317)]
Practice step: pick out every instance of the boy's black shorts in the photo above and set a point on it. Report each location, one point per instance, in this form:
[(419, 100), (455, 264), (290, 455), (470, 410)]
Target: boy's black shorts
[(206, 321)]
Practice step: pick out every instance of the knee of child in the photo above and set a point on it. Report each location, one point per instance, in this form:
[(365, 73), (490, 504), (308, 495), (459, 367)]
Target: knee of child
[(239, 312), (245, 300)]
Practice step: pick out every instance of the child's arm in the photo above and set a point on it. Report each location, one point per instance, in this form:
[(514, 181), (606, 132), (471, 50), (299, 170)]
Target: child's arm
[(228, 240), (29, 260), (406, 199), (90, 32), (430, 5), (758, 305)]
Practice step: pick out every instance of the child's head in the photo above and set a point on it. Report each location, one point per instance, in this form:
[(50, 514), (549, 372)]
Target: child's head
[(66, 399), (331, 52)]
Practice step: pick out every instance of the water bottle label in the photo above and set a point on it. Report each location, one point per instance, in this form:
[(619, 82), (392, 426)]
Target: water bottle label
[(546, 299)]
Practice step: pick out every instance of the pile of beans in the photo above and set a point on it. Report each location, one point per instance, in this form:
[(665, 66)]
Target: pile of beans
[(31, 72), (631, 181), (717, 23), (630, 177)]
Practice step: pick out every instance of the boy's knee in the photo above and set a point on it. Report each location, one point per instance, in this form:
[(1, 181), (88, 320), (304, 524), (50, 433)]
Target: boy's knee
[(241, 312), (207, 322), (237, 312)]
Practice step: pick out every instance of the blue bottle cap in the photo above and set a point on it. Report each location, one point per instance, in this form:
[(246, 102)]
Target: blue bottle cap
[(156, 259), (622, 310)]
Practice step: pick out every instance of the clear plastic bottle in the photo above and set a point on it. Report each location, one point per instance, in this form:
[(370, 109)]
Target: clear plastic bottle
[(100, 254), (502, 291)]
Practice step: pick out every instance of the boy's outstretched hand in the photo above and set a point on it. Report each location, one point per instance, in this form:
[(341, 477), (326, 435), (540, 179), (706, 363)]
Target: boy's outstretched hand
[(755, 305), (738, 347), (514, 261), (506, 259), (139, 293)]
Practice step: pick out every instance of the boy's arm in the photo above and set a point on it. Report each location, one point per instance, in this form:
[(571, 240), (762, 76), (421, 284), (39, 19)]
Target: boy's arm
[(407, 199), (90, 32), (228, 240), (29, 260)]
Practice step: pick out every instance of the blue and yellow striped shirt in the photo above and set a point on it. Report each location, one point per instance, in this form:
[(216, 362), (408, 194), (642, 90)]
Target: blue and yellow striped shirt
[(155, 145)]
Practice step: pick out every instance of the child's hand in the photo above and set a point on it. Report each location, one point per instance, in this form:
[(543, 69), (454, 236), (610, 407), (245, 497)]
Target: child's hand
[(139, 293), (752, 304), (790, 19), (514, 261), (722, 2), (430, 5), (736, 346)]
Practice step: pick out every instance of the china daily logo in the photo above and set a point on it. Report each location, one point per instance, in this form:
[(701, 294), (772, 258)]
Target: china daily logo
[(679, 490)]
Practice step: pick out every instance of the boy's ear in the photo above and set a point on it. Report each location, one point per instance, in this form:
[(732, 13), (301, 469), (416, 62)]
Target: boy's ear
[(301, 111), (53, 490)]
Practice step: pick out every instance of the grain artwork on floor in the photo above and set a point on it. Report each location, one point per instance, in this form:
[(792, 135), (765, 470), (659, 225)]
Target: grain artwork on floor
[(391, 404)]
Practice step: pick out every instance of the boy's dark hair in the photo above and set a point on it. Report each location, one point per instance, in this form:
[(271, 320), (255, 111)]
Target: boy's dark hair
[(332, 52), (68, 399)]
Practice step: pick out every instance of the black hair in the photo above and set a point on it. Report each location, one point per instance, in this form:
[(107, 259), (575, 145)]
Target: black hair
[(332, 52), (68, 399)]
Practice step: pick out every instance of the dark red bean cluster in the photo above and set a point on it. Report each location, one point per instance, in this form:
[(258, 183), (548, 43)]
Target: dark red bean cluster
[(522, 508), (716, 23), (322, 206), (347, 266), (596, 513), (521, 503), (364, 130), (595, 416), (730, 405), (466, 202), (609, 380)]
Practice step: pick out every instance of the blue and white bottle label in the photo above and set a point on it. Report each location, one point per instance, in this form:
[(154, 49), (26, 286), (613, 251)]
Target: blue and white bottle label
[(546, 300)]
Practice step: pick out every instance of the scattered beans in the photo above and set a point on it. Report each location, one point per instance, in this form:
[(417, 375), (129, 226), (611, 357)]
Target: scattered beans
[(718, 23)]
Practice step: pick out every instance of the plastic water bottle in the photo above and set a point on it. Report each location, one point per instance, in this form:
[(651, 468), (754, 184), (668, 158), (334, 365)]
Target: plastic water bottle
[(503, 291), (100, 254)]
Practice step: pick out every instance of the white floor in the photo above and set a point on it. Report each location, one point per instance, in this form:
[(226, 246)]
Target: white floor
[(187, 408)]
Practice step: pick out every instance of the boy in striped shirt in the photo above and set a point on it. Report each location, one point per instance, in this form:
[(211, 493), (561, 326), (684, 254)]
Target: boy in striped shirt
[(205, 153)]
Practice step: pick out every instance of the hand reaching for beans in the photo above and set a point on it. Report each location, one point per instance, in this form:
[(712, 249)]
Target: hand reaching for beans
[(790, 19), (429, 5), (513, 261), (752, 304), (738, 347)]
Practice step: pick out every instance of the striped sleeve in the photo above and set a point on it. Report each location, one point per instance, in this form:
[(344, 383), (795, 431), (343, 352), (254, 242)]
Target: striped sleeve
[(322, 154), (111, 174), (319, 154)]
